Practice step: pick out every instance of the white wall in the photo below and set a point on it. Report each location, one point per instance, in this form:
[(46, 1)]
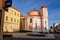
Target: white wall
[(35, 19), (45, 17)]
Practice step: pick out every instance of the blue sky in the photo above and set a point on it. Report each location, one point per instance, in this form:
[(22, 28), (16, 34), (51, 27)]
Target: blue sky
[(27, 5)]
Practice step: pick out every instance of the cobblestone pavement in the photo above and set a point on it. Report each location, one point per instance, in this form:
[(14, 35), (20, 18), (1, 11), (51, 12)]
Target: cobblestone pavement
[(57, 36)]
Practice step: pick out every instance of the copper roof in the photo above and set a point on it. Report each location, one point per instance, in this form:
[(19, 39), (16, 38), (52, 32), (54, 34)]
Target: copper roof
[(34, 13), (21, 15), (25, 18)]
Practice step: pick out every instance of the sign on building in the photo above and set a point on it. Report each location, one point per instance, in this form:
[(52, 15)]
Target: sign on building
[(8, 3)]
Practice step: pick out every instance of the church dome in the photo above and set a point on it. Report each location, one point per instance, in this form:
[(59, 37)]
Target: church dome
[(34, 13)]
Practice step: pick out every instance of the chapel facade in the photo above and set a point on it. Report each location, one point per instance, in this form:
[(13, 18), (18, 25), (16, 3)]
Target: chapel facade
[(37, 20)]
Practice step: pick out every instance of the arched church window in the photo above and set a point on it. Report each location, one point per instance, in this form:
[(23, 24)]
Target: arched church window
[(30, 20)]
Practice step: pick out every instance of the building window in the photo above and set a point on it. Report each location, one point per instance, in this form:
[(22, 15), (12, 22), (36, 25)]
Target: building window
[(15, 13), (11, 19), (30, 20), (5, 27), (45, 25), (6, 18), (14, 20)]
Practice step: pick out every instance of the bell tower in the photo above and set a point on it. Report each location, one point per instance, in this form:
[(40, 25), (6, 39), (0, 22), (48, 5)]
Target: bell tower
[(44, 12)]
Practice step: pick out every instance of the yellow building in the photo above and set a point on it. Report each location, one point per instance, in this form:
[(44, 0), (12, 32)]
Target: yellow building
[(11, 20)]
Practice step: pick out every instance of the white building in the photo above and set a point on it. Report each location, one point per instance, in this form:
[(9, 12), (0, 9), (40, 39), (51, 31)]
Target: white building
[(38, 20)]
